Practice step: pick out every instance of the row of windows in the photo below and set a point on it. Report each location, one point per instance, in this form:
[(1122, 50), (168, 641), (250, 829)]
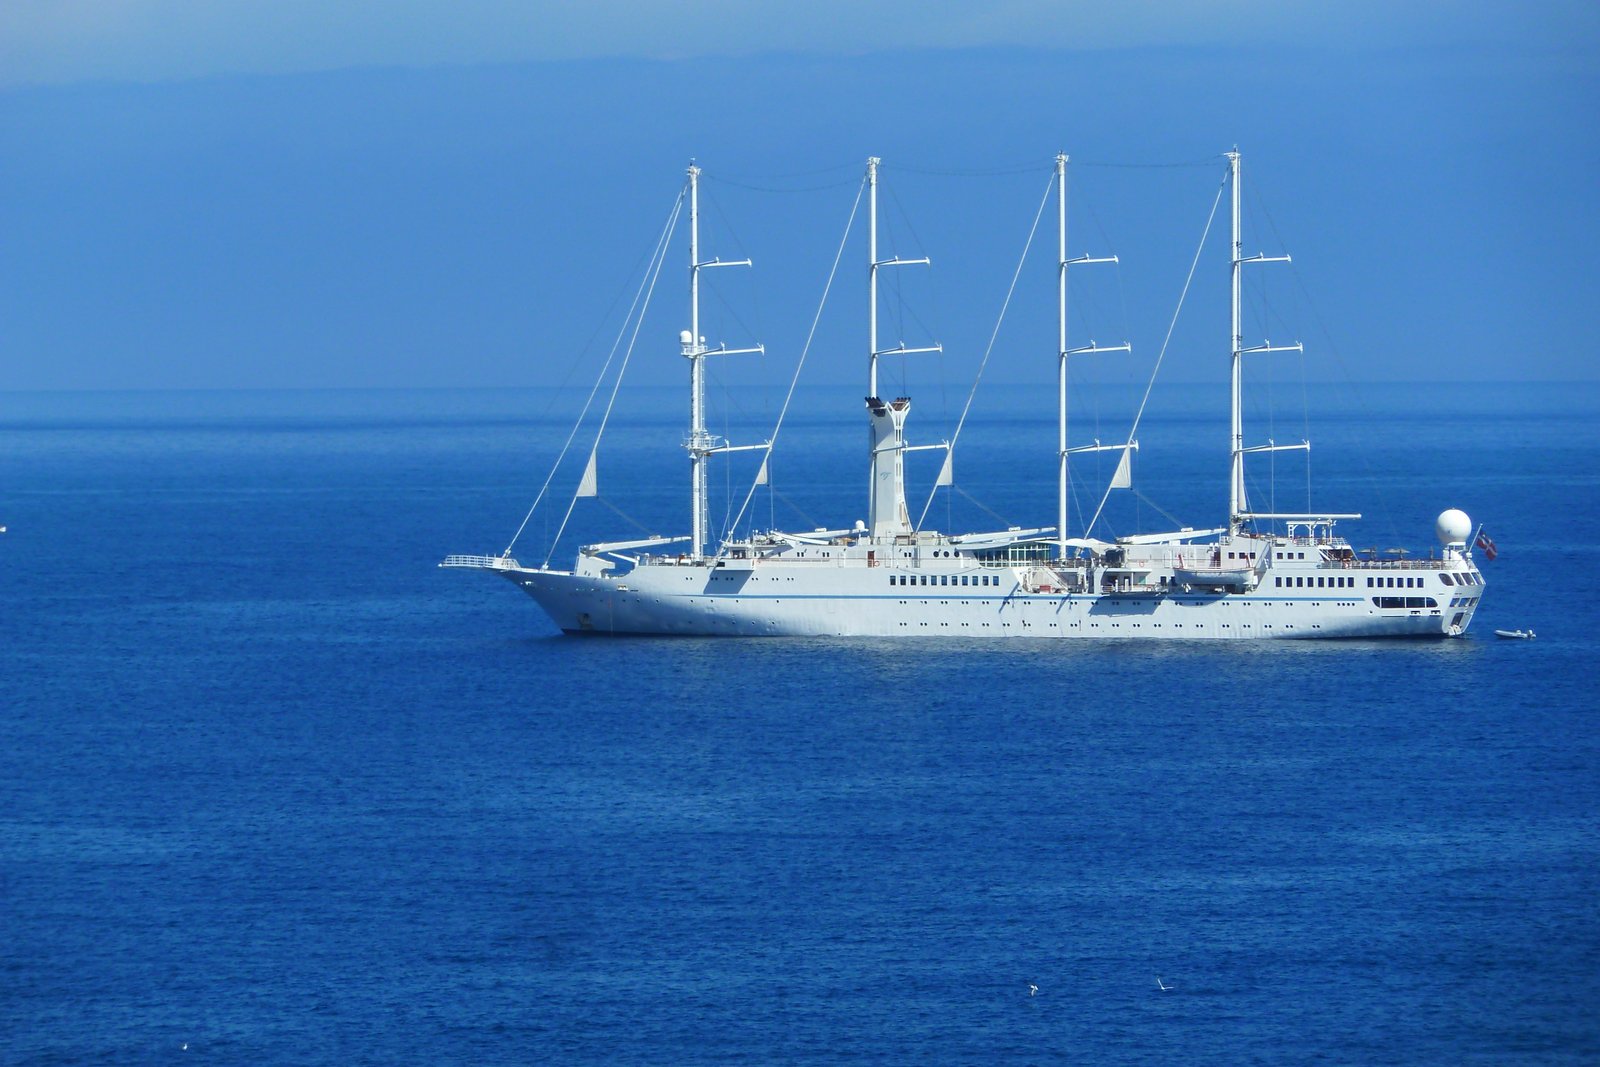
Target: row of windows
[(1460, 579), (944, 579), (1463, 601), (1335, 582), (1405, 602), (1391, 582)]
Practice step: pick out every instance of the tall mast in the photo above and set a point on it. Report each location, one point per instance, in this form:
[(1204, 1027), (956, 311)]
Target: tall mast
[(872, 275), (1062, 351), (886, 483), (698, 443), (1238, 505), (1236, 497)]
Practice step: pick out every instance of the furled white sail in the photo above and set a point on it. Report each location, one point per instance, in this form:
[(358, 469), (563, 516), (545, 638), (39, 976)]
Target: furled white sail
[(1123, 479), (590, 485)]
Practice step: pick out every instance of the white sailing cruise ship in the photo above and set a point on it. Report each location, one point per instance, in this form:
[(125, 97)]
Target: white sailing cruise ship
[(1262, 574)]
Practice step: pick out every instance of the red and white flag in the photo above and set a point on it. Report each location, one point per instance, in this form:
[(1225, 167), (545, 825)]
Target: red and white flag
[(1489, 551)]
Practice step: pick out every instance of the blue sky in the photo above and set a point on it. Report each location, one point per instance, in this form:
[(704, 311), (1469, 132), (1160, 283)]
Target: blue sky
[(361, 194)]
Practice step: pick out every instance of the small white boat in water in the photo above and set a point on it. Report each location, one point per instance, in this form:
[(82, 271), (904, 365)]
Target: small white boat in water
[(1515, 635)]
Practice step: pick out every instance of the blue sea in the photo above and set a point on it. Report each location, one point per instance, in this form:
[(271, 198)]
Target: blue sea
[(276, 789)]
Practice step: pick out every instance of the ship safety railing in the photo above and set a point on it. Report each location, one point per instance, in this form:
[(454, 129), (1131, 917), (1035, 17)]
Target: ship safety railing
[(1365, 563), (490, 563)]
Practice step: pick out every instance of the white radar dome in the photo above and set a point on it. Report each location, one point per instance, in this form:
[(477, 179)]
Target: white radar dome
[(1453, 527)]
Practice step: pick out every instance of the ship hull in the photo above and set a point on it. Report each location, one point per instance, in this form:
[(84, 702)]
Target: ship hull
[(806, 602)]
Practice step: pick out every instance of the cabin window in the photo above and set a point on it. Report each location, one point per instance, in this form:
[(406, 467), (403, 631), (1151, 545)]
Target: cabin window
[(1278, 582), (1446, 579)]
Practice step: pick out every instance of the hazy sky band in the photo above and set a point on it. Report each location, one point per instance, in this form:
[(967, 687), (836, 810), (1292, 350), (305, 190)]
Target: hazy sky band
[(68, 41), (353, 194)]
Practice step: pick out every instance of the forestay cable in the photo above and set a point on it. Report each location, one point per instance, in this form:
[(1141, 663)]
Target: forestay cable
[(661, 241), (804, 351), (962, 421), (638, 322), (1133, 431)]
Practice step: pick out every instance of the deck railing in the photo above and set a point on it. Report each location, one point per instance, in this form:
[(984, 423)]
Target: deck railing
[(491, 563)]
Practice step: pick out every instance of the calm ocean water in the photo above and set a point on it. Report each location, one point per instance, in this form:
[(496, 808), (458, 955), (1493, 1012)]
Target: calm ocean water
[(278, 790)]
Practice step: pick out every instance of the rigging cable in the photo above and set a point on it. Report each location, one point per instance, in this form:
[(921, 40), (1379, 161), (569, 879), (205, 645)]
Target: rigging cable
[(638, 323), (804, 351), (993, 336), (1133, 431), (583, 414)]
